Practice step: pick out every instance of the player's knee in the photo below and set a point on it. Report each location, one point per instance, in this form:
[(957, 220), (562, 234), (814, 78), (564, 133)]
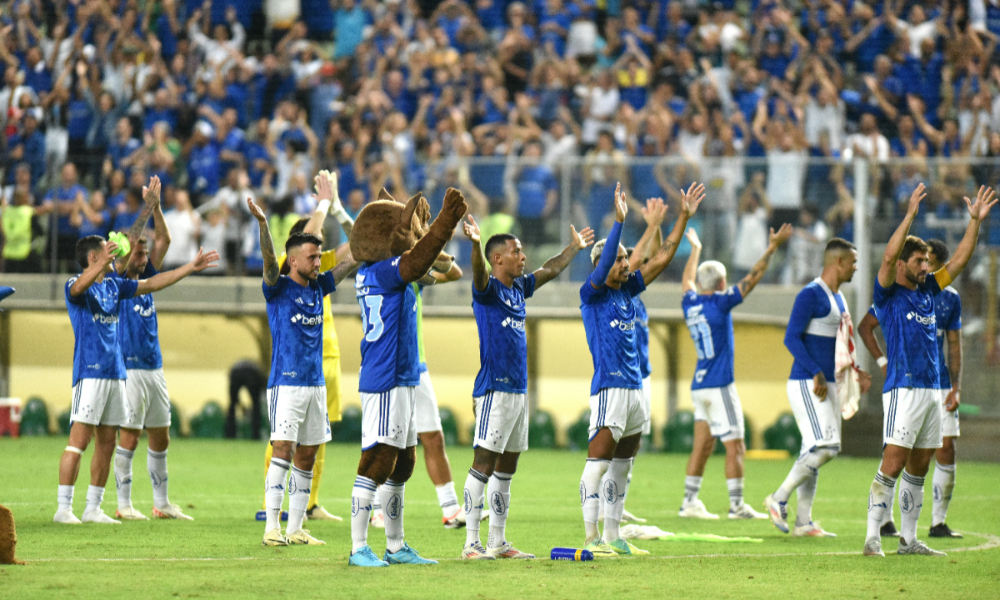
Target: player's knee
[(507, 463), (377, 463), (433, 441), (825, 454), (735, 448), (405, 463), (282, 449)]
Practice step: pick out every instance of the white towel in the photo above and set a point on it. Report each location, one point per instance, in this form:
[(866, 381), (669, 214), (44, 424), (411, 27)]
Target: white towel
[(846, 368)]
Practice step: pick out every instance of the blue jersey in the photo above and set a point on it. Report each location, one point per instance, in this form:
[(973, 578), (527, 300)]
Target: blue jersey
[(609, 317), (642, 337), (811, 335), (948, 312), (295, 315), (503, 345), (711, 325), (909, 326), (390, 356), (94, 317), (140, 338)]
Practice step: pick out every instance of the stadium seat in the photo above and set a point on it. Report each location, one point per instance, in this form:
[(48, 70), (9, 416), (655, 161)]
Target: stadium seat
[(210, 423), (349, 428), (784, 435), (542, 431), (64, 422), (35, 418), (578, 436), (678, 435), (449, 427)]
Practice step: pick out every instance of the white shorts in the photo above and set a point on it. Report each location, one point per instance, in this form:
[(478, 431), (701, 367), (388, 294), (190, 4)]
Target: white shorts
[(426, 406), (911, 417), (147, 403), (949, 420), (501, 422), (389, 418), (818, 420), (98, 402), (298, 414), (722, 409), (647, 404), (620, 410)]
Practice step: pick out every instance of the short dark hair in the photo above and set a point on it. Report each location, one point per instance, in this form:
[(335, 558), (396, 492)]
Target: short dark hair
[(297, 239), (838, 244), (86, 245), (299, 227), (495, 241), (136, 192), (939, 250), (912, 245)]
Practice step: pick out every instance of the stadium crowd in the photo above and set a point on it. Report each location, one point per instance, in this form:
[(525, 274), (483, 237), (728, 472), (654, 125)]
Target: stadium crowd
[(510, 101)]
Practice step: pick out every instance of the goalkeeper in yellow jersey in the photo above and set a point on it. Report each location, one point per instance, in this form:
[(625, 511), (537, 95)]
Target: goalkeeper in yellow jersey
[(328, 203)]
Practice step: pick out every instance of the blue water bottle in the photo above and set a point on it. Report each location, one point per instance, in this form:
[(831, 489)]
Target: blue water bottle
[(571, 554)]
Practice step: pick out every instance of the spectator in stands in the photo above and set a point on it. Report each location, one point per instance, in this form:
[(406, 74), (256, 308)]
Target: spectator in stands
[(535, 195), (751, 229), (785, 144), (184, 225), (62, 201)]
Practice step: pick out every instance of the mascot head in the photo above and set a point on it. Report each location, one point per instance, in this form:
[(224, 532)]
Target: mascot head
[(387, 228)]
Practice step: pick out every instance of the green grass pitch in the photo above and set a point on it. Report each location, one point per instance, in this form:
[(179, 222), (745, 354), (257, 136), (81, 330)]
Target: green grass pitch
[(219, 554)]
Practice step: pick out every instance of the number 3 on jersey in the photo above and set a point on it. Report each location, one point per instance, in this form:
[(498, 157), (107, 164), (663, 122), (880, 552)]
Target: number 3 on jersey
[(371, 307)]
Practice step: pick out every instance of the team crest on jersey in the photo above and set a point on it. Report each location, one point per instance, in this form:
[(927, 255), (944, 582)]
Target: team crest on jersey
[(394, 507)]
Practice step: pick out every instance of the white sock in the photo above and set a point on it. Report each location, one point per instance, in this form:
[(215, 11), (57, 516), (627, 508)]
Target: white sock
[(391, 493), (376, 505), (475, 483), (878, 503), (692, 485), (498, 491), (888, 511), (123, 476), (361, 509), (447, 499), (911, 500), (65, 497), (806, 466), (806, 493), (590, 495), (628, 480), (156, 462), (299, 487), (274, 491), (95, 495), (613, 496), (944, 483), (735, 487)]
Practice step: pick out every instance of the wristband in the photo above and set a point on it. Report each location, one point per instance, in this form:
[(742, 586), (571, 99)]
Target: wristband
[(323, 206), (881, 361)]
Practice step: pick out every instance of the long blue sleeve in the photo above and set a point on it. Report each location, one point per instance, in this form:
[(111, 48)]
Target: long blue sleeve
[(802, 313), (608, 256)]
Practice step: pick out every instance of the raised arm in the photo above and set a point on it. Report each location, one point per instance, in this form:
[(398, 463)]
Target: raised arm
[(151, 200), (689, 205), (954, 369), (86, 279), (555, 265), (480, 274), (415, 262), (271, 269), (775, 240), (345, 267), (161, 238), (161, 280), (887, 272), (653, 213), (978, 211), (609, 254), (689, 280)]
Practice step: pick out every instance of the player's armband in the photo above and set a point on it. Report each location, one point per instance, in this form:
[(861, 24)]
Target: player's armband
[(942, 277)]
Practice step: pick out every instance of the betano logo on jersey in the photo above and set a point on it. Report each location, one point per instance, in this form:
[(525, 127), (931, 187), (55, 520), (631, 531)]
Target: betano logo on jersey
[(149, 312), (912, 316), (623, 325), (105, 319), (513, 323), (307, 321)]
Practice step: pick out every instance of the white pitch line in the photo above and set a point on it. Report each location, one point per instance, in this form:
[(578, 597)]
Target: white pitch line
[(992, 541)]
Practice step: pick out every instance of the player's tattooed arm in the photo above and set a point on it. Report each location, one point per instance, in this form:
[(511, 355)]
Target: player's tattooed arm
[(954, 369), (887, 272), (344, 268), (480, 274), (271, 269), (775, 240), (689, 205), (978, 211), (555, 265), (653, 213), (689, 279), (150, 199)]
